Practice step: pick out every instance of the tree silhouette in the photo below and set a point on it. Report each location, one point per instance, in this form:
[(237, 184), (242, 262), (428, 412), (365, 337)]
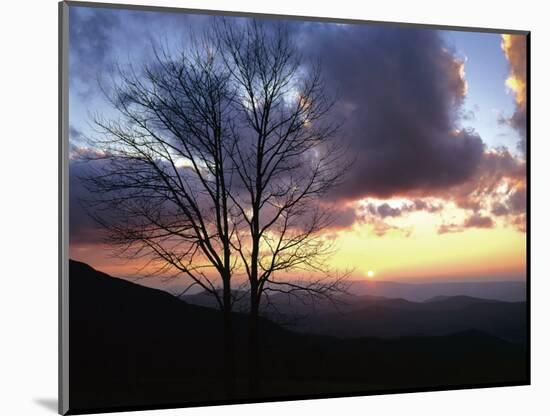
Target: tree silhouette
[(286, 159), (216, 168), (163, 182)]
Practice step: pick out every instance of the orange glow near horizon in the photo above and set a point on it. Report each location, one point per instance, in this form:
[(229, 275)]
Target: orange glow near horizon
[(473, 254), (470, 254)]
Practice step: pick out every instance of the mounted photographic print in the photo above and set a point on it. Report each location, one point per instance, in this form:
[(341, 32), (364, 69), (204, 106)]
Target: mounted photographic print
[(262, 208)]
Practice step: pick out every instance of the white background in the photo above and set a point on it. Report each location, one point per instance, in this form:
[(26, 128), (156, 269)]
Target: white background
[(28, 206)]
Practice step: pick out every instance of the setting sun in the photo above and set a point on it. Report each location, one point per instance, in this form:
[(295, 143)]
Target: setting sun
[(370, 274)]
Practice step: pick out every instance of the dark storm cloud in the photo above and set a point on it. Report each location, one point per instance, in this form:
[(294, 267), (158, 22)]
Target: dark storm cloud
[(399, 92), (342, 218), (399, 95)]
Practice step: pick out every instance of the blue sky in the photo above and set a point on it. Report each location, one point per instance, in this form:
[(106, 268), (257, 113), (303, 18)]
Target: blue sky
[(486, 72)]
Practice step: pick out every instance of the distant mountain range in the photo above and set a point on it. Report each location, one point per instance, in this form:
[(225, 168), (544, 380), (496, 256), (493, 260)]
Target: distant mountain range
[(508, 291), (441, 315), (377, 316), (135, 346)]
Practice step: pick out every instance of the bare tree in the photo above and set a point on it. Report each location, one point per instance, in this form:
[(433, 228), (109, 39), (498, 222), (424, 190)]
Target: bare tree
[(218, 166), (286, 159), (163, 177)]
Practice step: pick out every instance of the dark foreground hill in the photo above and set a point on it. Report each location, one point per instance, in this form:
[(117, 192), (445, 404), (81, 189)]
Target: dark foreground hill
[(135, 346)]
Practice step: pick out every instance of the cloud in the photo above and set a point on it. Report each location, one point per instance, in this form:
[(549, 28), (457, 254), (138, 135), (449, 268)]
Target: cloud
[(379, 215), (478, 221), (520, 222), (386, 210), (449, 228), (421, 205), (400, 92), (475, 220), (517, 201), (399, 96), (497, 168), (513, 208), (82, 228), (381, 228), (342, 217), (91, 43), (101, 38), (498, 188), (499, 209), (74, 133), (515, 50)]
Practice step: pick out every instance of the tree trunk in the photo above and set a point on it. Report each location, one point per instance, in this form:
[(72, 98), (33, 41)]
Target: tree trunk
[(254, 364), (228, 347)]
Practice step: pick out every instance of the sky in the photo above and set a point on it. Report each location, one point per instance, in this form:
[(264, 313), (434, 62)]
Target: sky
[(435, 120)]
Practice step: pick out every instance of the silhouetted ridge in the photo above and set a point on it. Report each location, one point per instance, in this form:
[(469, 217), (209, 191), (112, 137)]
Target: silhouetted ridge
[(509, 291), (84, 276), (132, 346), (375, 316), (459, 300), (445, 315)]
